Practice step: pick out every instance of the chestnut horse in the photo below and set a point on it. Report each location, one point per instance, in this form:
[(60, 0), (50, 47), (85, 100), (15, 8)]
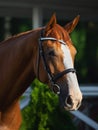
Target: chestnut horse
[(46, 53)]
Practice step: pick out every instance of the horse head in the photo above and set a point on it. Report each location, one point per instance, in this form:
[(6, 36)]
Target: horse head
[(56, 65)]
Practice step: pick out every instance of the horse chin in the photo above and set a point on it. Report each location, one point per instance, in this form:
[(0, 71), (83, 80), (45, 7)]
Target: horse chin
[(73, 108), (70, 109)]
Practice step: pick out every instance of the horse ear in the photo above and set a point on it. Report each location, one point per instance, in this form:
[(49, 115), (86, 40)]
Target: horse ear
[(51, 23), (70, 26)]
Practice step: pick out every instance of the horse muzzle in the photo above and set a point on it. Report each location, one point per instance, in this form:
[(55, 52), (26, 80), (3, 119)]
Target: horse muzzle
[(72, 103)]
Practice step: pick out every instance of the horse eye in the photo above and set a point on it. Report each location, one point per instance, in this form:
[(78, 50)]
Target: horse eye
[(51, 53)]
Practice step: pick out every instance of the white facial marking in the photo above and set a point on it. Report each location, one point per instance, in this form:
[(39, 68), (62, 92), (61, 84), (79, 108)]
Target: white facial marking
[(68, 63), (67, 57)]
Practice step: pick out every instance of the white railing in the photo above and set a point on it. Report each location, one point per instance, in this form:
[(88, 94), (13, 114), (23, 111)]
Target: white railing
[(88, 92)]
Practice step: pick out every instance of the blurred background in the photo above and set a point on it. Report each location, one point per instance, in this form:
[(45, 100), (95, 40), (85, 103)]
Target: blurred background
[(43, 112)]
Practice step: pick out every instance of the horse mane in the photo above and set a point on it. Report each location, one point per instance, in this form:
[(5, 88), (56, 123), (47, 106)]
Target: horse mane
[(22, 34)]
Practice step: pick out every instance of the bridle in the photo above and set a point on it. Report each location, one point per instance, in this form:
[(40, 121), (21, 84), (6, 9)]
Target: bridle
[(51, 77)]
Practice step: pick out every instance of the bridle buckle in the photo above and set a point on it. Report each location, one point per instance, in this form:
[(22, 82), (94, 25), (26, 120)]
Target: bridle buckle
[(55, 88)]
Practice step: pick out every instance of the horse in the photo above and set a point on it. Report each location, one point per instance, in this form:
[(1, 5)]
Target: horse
[(46, 53)]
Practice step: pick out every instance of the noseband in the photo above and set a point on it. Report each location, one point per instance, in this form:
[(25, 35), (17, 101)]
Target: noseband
[(52, 78)]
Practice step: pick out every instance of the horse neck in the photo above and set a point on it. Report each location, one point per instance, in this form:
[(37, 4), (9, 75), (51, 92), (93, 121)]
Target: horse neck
[(17, 65)]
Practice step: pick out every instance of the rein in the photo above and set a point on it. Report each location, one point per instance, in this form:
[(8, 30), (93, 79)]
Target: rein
[(52, 78)]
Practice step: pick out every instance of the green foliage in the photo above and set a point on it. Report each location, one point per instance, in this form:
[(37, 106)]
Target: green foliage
[(85, 39), (43, 112), (79, 40)]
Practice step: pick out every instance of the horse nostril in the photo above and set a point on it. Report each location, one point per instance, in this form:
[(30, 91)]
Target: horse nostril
[(69, 101)]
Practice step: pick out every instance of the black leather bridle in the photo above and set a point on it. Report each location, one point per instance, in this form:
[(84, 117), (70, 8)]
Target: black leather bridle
[(51, 77)]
